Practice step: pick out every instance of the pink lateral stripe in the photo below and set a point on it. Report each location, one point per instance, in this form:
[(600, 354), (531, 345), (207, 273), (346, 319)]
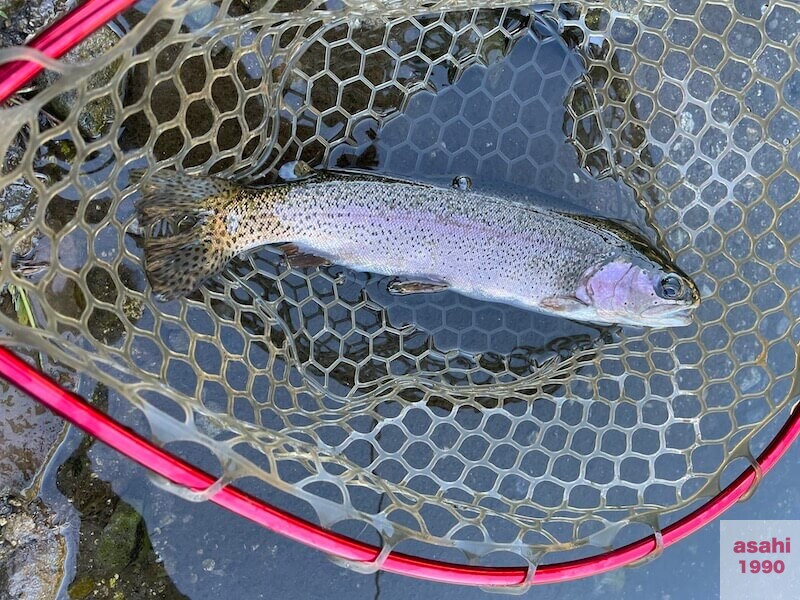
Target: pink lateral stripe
[(57, 39), (95, 423)]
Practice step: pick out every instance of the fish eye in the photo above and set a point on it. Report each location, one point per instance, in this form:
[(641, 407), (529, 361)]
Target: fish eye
[(671, 287)]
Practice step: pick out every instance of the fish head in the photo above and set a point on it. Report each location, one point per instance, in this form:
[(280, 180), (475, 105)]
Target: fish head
[(633, 290)]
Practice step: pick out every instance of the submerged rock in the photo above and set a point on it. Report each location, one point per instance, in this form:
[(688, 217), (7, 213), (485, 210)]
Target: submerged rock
[(115, 558), (20, 21), (96, 116)]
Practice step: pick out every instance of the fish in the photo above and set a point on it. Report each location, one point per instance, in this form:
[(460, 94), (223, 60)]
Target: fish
[(429, 238)]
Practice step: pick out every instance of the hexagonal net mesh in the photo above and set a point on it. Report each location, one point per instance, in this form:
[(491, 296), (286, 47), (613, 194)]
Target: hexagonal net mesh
[(433, 419)]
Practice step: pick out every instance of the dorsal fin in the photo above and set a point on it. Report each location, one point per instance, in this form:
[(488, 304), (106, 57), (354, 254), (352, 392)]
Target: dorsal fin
[(296, 170)]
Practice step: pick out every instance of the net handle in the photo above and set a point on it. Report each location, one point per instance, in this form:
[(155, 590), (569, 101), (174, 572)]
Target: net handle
[(57, 39), (79, 412)]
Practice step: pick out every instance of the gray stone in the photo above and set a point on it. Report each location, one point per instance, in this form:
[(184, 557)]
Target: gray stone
[(32, 551), (20, 20)]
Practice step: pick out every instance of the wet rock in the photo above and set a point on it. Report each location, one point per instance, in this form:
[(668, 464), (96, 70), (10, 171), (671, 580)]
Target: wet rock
[(29, 432), (20, 20), (14, 153), (17, 211), (17, 198), (32, 551)]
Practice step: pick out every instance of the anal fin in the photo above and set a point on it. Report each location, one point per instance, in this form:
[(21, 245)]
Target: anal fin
[(401, 287)]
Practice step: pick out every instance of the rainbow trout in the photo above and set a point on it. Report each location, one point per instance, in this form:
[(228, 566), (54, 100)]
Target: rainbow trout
[(430, 238)]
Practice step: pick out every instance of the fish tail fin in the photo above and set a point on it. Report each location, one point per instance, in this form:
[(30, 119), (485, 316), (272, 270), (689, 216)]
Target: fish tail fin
[(188, 237), (168, 194)]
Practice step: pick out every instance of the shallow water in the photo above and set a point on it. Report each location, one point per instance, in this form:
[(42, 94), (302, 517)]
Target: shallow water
[(208, 553)]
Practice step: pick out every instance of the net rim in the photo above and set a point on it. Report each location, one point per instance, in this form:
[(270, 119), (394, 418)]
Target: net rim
[(80, 413), (56, 40)]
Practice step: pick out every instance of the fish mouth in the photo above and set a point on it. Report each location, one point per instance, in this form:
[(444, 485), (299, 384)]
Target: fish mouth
[(668, 316), (656, 316)]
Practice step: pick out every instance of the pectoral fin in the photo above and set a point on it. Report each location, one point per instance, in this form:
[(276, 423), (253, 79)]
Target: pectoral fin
[(299, 260), (463, 183), (419, 286), (562, 304)]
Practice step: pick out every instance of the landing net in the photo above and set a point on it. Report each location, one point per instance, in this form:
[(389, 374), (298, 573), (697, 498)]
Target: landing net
[(434, 424)]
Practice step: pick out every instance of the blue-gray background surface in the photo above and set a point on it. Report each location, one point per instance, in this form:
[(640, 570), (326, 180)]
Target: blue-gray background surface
[(212, 554)]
